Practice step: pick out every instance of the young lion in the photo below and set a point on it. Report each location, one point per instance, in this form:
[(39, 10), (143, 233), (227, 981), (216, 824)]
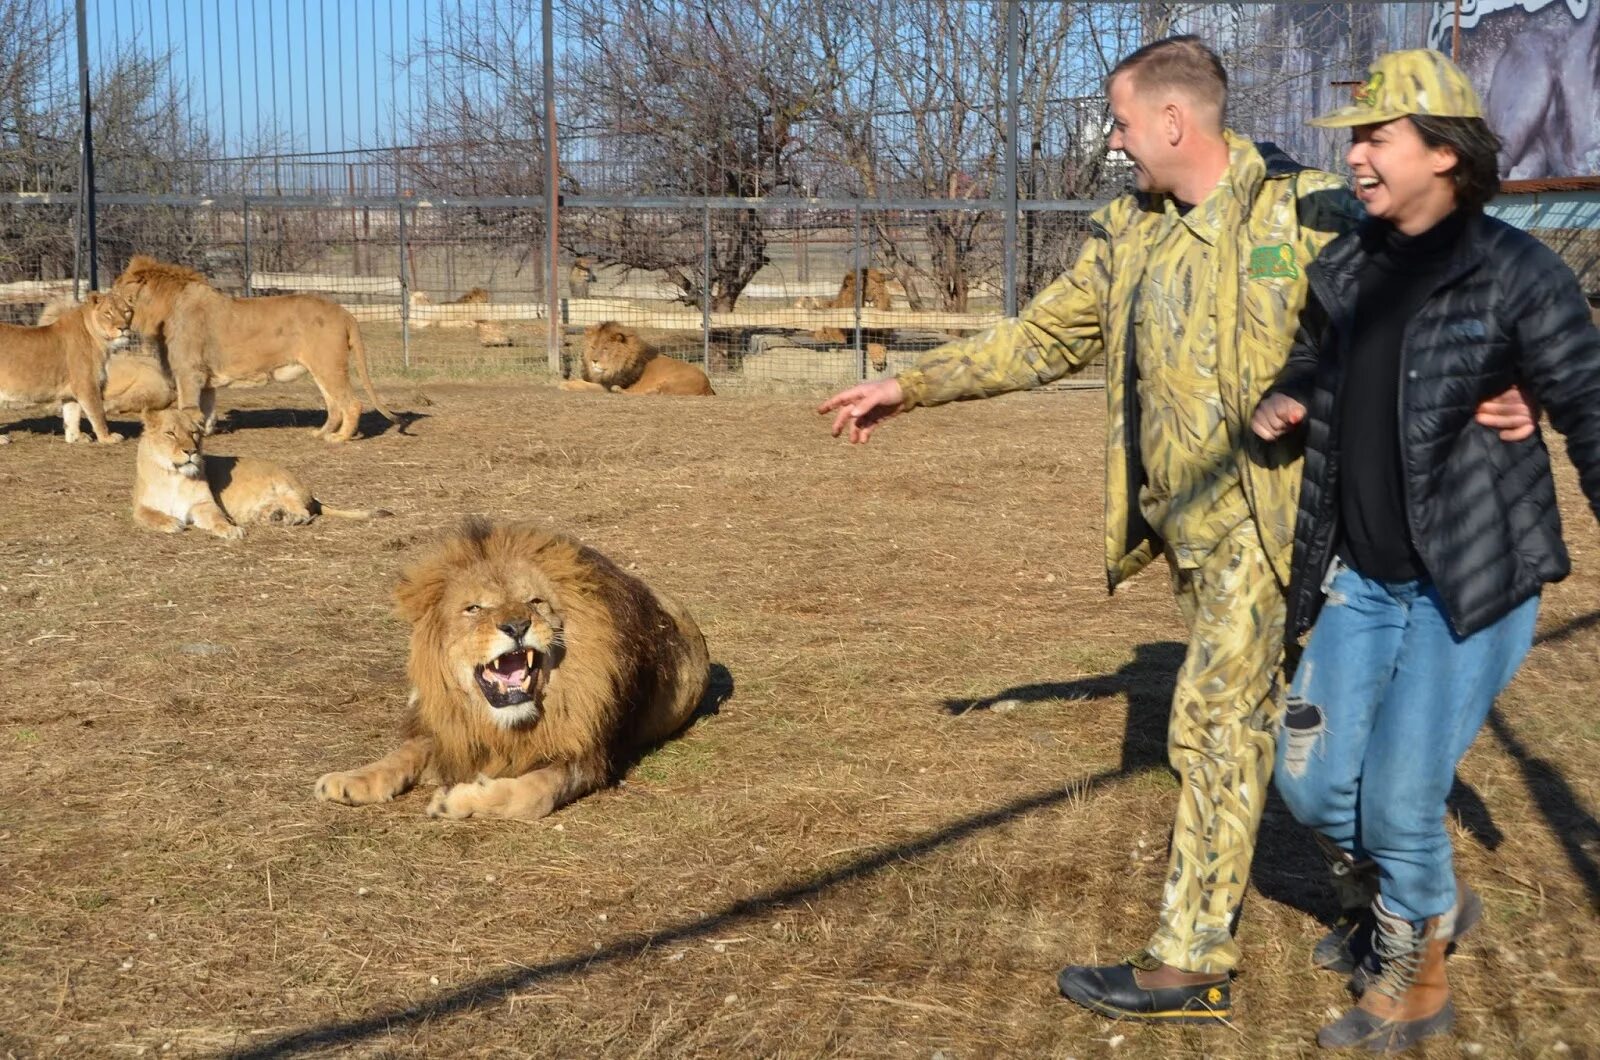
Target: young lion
[(65, 360), (212, 340), (615, 358), (134, 382), (177, 486), (538, 667)]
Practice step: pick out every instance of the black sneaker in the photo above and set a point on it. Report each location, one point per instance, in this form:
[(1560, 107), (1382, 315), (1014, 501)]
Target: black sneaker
[(1112, 990)]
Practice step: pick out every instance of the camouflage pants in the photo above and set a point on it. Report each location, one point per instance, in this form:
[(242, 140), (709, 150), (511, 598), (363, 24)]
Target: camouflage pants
[(1220, 740)]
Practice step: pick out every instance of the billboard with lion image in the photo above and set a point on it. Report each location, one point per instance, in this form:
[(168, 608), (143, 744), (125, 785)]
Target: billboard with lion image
[(1536, 64)]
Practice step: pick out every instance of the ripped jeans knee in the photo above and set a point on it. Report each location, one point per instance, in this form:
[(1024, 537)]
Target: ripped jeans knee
[(1310, 790), (1304, 726)]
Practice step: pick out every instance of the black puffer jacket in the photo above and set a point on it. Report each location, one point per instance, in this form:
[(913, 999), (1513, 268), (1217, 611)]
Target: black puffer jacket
[(1482, 512)]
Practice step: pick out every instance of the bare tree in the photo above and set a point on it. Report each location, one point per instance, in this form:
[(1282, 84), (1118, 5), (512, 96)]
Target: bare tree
[(707, 96)]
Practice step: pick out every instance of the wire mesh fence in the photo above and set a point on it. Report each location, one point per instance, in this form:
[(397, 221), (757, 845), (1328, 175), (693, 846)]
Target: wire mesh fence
[(784, 191)]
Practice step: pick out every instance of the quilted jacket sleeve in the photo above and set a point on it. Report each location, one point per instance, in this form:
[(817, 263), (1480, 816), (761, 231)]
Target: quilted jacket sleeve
[(1560, 358)]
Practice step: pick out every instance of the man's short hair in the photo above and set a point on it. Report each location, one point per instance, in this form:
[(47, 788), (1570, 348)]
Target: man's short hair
[(1183, 63)]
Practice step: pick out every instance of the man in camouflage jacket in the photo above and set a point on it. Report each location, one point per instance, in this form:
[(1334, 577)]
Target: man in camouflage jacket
[(1190, 291)]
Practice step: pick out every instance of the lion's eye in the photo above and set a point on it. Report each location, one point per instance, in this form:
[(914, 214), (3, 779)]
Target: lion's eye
[(535, 601), (472, 609)]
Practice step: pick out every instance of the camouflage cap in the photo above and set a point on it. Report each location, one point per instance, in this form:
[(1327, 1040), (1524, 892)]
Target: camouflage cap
[(1418, 81)]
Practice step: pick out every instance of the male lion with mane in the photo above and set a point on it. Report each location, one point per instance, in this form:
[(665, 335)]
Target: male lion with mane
[(615, 358), (537, 668), (212, 339)]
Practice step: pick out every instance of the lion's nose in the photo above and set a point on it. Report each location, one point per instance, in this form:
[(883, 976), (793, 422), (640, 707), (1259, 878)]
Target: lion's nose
[(515, 630)]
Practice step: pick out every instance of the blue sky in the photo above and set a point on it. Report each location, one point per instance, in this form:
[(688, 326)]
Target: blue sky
[(322, 71)]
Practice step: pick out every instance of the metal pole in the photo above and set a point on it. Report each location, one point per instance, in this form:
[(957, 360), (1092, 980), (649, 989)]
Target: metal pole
[(405, 294), (552, 186), (705, 289), (77, 242), (860, 275), (1011, 160), (244, 205), (86, 174)]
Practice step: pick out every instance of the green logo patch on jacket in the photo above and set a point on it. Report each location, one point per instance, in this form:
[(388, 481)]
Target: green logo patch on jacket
[(1273, 263)]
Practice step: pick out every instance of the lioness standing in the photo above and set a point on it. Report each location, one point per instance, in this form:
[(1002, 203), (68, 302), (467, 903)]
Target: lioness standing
[(65, 360), (212, 340)]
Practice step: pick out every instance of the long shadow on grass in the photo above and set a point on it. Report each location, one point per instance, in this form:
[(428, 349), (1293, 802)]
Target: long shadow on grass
[(371, 424), (1287, 867), (1283, 868), (1149, 706), (1574, 826), (51, 425)]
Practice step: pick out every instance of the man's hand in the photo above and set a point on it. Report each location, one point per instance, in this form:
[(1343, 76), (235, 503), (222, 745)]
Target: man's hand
[(1510, 413), (1275, 416), (863, 407)]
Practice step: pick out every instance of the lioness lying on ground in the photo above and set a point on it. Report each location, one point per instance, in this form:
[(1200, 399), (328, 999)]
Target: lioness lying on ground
[(537, 668), (615, 358), (65, 360), (177, 486)]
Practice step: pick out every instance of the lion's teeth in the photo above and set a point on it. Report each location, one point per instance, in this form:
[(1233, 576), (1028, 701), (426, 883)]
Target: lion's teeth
[(529, 654)]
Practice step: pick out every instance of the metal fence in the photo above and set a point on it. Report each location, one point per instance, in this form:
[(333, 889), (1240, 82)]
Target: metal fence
[(721, 166)]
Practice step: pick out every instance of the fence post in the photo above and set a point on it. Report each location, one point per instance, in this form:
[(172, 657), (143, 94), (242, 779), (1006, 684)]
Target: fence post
[(86, 203), (1010, 254), (705, 291), (244, 209), (860, 278), (552, 189), (405, 292)]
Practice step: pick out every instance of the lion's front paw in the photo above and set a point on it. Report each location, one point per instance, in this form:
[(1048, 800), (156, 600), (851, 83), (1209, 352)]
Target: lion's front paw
[(229, 532), (456, 801), (111, 439), (354, 788)]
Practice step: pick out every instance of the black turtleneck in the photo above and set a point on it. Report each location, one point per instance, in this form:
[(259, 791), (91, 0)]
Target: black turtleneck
[(1400, 273)]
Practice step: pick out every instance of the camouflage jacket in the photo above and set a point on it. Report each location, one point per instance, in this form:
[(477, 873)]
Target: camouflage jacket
[(1287, 214)]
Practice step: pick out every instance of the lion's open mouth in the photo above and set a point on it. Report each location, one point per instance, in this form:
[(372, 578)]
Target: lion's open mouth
[(515, 677)]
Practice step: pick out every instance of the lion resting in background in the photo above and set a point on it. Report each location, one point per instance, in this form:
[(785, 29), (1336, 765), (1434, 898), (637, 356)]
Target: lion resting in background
[(176, 485), (213, 340), (537, 668), (65, 360), (615, 358)]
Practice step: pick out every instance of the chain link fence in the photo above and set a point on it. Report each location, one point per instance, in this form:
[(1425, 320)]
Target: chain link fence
[(785, 192)]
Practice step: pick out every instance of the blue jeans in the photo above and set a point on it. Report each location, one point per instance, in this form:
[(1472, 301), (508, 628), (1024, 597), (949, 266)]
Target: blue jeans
[(1384, 704)]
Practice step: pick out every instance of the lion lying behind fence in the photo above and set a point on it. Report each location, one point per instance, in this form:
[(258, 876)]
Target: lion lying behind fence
[(615, 358)]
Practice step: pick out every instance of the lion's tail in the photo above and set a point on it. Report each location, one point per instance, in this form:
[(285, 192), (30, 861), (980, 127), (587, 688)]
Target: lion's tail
[(359, 349), (318, 508)]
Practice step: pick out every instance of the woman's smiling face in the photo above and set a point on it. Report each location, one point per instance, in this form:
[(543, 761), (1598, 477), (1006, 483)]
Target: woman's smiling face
[(1398, 177)]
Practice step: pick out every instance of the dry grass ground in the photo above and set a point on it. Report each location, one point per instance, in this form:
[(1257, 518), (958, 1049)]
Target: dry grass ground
[(843, 860)]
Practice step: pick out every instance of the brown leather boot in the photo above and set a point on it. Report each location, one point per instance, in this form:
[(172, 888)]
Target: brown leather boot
[(1410, 998)]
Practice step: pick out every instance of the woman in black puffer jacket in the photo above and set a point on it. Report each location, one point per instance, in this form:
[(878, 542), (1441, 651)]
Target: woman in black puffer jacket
[(1423, 538)]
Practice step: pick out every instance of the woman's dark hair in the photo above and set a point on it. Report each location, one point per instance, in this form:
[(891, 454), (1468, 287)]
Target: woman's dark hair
[(1477, 148)]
